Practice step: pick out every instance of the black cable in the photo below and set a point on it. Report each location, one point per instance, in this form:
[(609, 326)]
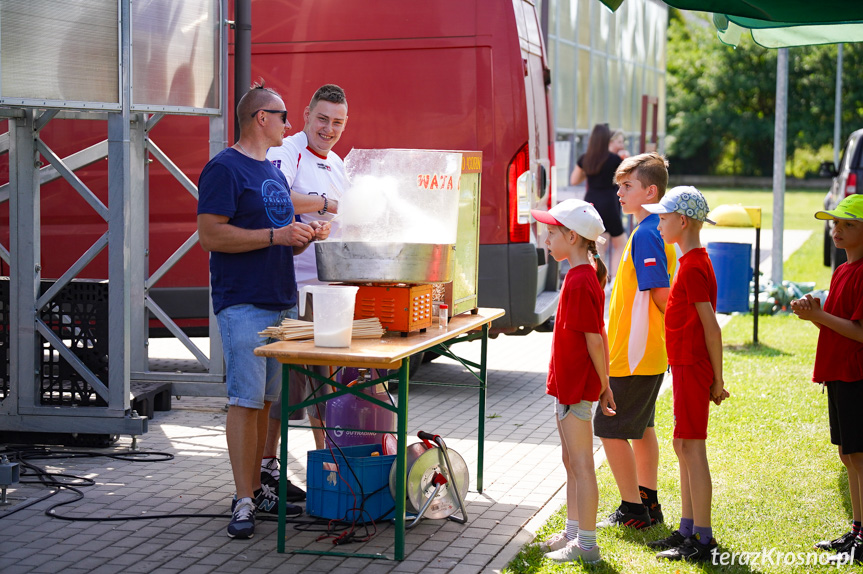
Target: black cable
[(72, 483)]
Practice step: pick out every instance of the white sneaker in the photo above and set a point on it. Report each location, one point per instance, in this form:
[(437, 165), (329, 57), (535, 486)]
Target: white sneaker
[(572, 551), (556, 542)]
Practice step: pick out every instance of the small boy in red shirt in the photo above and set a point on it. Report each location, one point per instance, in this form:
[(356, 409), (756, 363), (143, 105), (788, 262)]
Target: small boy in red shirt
[(839, 362), (694, 343)]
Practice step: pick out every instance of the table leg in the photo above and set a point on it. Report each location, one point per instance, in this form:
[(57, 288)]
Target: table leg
[(401, 461), (483, 375), (283, 457)]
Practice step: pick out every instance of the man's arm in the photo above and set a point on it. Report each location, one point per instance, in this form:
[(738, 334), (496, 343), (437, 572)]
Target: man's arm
[(216, 234), (713, 340), (304, 203)]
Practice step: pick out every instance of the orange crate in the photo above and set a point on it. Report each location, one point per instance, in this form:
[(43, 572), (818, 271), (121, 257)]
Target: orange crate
[(401, 308)]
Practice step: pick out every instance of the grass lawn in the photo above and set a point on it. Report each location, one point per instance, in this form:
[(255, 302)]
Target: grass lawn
[(777, 481)]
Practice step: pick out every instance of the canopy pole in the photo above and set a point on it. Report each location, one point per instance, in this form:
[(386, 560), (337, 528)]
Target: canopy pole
[(837, 115), (779, 163)]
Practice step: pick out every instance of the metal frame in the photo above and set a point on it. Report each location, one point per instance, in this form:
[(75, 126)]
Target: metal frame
[(127, 215), (478, 370)]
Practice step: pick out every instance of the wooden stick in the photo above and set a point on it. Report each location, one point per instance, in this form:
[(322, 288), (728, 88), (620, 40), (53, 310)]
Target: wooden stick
[(294, 329)]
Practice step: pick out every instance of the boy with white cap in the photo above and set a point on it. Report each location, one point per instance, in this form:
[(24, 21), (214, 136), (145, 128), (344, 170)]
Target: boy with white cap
[(693, 340), (840, 341), (578, 370)]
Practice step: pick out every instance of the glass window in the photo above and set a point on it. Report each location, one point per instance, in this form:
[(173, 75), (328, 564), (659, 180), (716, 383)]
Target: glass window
[(598, 88), (567, 18), (599, 33), (63, 51), (627, 75), (584, 22), (583, 87), (175, 60), (565, 95), (613, 93)]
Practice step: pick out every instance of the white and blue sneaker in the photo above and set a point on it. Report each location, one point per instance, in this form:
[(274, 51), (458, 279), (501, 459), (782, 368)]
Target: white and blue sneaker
[(242, 523)]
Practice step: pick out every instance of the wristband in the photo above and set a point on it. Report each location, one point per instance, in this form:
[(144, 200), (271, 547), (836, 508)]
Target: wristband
[(326, 204), (271, 236)]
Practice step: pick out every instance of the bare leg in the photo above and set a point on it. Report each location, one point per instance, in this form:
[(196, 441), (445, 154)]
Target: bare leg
[(271, 446), (577, 442), (854, 464), (700, 486), (646, 451), (685, 495), (622, 462), (244, 449), (317, 432)]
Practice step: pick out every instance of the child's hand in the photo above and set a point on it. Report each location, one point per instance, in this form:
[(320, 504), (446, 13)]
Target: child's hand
[(806, 307), (606, 402), (718, 393)]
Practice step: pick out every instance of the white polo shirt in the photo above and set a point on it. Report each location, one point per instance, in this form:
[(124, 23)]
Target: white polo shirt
[(310, 174)]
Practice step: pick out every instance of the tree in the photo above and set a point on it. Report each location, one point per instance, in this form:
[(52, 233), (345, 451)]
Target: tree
[(721, 100)]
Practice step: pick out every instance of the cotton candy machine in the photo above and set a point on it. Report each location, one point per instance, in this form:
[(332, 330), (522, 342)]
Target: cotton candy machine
[(397, 227), (398, 221)]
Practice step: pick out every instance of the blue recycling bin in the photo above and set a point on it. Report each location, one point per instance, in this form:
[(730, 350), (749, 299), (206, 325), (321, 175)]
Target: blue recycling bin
[(733, 271)]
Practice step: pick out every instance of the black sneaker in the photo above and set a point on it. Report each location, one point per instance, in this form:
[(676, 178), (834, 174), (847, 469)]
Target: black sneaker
[(242, 523), (853, 553), (673, 541), (837, 544), (655, 511), (270, 477), (623, 517), (691, 550), (267, 501)]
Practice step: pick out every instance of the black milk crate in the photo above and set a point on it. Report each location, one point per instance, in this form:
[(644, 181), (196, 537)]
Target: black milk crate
[(78, 315)]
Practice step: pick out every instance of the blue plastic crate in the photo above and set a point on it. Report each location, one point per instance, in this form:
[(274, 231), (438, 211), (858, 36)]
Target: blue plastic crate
[(328, 476)]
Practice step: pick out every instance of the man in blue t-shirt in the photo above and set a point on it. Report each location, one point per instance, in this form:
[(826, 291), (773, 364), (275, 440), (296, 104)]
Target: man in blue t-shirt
[(246, 222)]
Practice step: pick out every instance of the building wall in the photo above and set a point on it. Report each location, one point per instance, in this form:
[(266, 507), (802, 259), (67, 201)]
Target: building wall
[(602, 63)]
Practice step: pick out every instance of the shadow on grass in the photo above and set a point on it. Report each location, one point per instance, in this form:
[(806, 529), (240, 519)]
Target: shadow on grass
[(640, 538), (842, 487), (752, 350)]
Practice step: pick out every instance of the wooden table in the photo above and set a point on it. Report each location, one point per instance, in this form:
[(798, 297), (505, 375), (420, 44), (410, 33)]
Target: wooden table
[(390, 352)]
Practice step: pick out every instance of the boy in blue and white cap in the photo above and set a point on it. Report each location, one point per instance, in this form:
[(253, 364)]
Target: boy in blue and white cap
[(694, 343)]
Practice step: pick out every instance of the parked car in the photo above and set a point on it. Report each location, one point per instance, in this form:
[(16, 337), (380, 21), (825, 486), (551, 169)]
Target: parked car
[(845, 182)]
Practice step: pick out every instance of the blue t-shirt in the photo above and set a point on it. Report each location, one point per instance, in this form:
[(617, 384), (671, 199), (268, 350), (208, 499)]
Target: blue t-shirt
[(649, 256), (253, 195)]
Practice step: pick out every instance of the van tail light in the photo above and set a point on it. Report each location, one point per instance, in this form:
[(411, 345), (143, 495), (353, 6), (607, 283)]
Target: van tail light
[(851, 184), (518, 186)]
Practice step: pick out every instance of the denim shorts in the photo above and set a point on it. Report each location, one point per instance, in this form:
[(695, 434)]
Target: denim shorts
[(581, 410), (251, 380)]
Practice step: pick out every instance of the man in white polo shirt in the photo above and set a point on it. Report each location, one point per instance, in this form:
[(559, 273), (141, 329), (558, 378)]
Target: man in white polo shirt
[(316, 176)]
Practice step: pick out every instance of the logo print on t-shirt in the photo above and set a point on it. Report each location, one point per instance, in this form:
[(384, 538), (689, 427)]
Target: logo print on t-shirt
[(277, 202)]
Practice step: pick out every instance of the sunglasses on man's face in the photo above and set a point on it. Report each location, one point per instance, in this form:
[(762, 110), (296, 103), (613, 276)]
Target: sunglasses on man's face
[(284, 113)]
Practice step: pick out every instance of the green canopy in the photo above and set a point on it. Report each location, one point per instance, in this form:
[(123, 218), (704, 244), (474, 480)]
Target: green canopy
[(788, 11), (779, 23)]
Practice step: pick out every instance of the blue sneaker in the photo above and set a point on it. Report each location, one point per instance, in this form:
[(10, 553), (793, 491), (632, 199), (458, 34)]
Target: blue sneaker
[(243, 519), (266, 500)]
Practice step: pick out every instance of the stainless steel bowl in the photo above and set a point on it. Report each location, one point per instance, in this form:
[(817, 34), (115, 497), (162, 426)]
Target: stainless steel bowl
[(361, 262)]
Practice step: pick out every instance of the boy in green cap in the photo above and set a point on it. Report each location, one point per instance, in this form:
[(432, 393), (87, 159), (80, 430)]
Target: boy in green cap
[(839, 361)]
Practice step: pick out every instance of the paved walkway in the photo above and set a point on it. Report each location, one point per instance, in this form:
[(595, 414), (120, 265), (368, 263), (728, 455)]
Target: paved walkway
[(522, 475)]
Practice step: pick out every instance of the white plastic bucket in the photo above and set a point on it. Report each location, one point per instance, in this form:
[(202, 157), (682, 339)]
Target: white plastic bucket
[(334, 313)]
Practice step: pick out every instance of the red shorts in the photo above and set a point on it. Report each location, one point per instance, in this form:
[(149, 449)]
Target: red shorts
[(691, 390)]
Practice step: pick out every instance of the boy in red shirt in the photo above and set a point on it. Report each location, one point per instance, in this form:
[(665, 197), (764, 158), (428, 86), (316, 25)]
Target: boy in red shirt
[(694, 343), (578, 370), (839, 361)]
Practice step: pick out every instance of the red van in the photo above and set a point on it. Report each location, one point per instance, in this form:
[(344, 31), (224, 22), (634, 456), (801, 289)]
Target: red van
[(448, 74)]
